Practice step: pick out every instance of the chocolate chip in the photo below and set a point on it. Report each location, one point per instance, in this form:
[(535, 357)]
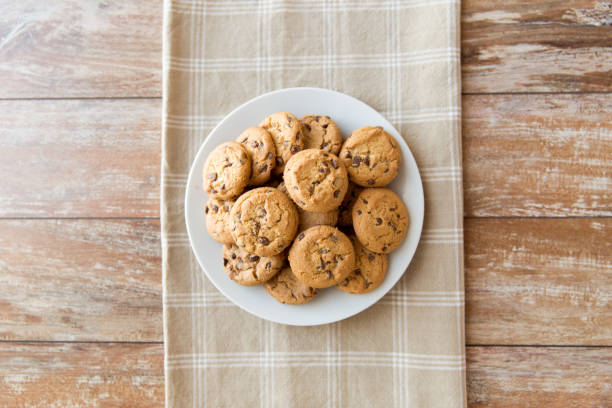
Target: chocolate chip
[(367, 160), (225, 261), (253, 258), (269, 156), (301, 236), (384, 248), (370, 257), (324, 250), (289, 120), (317, 118), (324, 170), (378, 221), (333, 238), (244, 140), (368, 284), (358, 212), (263, 168), (392, 225), (307, 126), (347, 155), (356, 161), (279, 161), (386, 170), (233, 256), (364, 200), (334, 163), (213, 191), (214, 208), (357, 271), (324, 126), (206, 210), (263, 241), (325, 163), (223, 187), (371, 181), (298, 136), (325, 154), (310, 189), (295, 149), (212, 176), (255, 144), (336, 193), (268, 265)]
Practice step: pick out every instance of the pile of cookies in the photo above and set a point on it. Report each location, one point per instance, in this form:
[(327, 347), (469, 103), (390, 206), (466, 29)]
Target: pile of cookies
[(279, 192)]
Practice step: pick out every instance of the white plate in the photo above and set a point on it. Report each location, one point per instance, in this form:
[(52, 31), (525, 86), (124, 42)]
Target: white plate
[(331, 304)]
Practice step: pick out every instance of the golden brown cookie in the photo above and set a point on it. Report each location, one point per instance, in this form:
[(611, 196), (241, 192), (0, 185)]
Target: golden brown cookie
[(372, 156), (320, 132), (310, 218), (316, 180), (260, 146), (217, 218), (380, 219), (345, 216), (369, 273), (227, 170), (250, 269), (263, 221), (286, 288), (321, 256), (287, 134)]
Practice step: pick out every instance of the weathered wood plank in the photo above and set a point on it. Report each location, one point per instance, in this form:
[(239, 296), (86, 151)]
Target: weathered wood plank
[(536, 46), (539, 377), (524, 155), (544, 281), (540, 281), (81, 375), (80, 158), (113, 48), (71, 48), (537, 155), (41, 375), (94, 280)]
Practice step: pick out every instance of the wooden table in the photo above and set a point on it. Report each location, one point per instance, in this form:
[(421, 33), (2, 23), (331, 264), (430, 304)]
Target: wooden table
[(80, 266)]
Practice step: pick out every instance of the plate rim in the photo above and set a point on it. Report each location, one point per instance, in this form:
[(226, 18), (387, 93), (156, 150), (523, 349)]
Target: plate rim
[(192, 173)]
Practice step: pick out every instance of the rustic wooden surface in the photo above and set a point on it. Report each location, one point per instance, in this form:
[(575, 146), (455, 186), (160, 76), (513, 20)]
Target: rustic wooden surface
[(80, 293)]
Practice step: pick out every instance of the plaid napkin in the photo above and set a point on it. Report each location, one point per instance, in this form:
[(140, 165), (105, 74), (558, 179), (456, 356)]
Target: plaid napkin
[(402, 58)]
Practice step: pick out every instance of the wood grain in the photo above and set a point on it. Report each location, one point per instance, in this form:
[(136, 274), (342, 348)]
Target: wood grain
[(112, 48), (537, 155), (539, 377), (542, 281), (94, 280), (81, 375), (72, 48), (536, 46), (524, 155), (80, 158), (44, 374), (538, 282)]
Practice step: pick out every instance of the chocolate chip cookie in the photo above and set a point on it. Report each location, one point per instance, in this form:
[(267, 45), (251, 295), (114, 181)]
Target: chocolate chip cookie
[(310, 218), (263, 221), (372, 156), (250, 269), (260, 146), (370, 270), (217, 217), (316, 180), (288, 289), (227, 170), (345, 216), (320, 132), (380, 220), (287, 134), (322, 256)]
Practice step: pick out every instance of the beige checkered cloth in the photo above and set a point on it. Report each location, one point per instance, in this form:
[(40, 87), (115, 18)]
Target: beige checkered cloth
[(402, 58)]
